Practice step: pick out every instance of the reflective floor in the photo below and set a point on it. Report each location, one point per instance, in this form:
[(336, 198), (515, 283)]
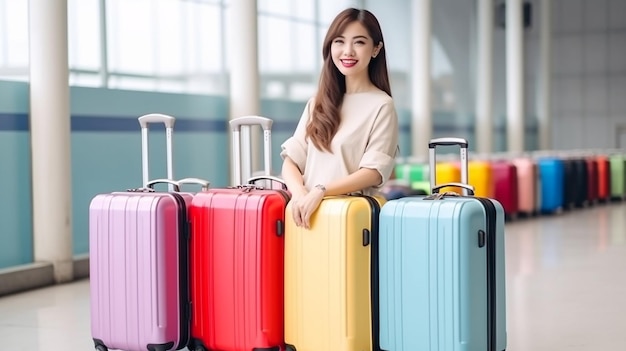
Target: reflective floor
[(566, 290)]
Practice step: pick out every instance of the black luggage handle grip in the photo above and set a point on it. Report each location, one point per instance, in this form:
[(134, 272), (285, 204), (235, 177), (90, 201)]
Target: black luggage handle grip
[(447, 142)]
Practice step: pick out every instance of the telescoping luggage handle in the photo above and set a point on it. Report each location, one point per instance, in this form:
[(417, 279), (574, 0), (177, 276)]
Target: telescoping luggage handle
[(462, 143), (144, 121), (242, 158)]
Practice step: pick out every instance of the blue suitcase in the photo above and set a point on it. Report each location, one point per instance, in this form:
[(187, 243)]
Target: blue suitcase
[(441, 269), (552, 172)]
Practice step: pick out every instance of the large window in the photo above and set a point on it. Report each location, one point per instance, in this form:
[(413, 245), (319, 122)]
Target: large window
[(290, 44), (177, 45), (14, 40)]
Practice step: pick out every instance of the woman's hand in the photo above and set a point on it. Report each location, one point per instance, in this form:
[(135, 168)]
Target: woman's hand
[(304, 206)]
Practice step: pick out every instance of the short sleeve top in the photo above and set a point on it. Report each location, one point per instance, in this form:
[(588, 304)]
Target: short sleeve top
[(367, 138)]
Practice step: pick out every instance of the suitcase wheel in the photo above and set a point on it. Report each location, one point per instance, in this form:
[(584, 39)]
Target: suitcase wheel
[(99, 345), (290, 348)]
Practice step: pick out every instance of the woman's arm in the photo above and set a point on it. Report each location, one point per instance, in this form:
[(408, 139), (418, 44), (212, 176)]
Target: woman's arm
[(357, 181), (293, 178)]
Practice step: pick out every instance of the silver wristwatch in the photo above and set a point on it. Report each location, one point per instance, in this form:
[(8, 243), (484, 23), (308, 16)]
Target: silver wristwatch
[(321, 187)]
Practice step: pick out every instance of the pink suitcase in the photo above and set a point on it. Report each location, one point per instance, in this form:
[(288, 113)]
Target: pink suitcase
[(526, 185), (504, 175), (138, 248)]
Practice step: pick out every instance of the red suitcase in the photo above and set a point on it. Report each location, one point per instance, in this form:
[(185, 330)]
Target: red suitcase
[(236, 260), (592, 180), (504, 176), (604, 178)]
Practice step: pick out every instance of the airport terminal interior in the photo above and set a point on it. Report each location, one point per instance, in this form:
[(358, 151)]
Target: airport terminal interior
[(530, 80)]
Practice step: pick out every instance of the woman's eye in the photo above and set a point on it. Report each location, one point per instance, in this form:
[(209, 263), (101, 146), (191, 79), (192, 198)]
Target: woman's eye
[(360, 42), (338, 41)]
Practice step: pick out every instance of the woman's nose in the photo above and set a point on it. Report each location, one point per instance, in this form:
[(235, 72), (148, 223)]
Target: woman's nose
[(349, 50)]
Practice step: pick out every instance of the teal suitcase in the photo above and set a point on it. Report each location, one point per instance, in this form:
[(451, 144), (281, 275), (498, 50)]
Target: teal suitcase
[(442, 270)]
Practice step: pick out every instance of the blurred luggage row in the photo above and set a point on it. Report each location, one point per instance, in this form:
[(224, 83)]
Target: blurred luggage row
[(530, 184)]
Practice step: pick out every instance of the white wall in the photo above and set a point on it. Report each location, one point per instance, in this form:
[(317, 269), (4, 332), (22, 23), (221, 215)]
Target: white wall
[(589, 72)]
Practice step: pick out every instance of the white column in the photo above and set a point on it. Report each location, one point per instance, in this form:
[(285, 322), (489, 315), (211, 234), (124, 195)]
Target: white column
[(244, 71), (515, 75), (421, 126), (484, 78), (50, 136), (544, 75)]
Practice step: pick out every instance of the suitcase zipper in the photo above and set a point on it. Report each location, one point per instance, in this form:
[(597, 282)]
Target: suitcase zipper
[(374, 289), (184, 231), (490, 211)]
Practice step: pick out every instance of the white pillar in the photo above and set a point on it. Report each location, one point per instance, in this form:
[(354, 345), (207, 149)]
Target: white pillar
[(244, 71), (484, 78), (544, 75), (515, 75), (422, 125), (50, 136)]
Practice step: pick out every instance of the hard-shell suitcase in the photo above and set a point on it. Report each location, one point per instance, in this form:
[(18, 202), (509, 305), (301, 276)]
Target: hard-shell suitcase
[(592, 179), (414, 174), (567, 183), (236, 258), (331, 291), (481, 178), (580, 182), (504, 174), (442, 271), (552, 174), (448, 172), (604, 178), (526, 185), (618, 176), (411, 171), (138, 262)]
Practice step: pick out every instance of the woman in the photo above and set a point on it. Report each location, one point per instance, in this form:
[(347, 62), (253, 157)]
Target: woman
[(347, 138)]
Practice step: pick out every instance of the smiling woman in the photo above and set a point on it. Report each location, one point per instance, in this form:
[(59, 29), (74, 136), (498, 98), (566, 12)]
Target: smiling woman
[(354, 104)]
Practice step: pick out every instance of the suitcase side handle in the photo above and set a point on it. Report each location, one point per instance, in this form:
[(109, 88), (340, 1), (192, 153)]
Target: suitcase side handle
[(174, 184), (466, 187), (253, 180), (242, 158), (203, 183), (432, 146), (144, 121)]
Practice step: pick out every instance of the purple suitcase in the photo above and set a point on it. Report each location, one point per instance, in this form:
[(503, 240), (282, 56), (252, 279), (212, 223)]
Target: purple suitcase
[(138, 248)]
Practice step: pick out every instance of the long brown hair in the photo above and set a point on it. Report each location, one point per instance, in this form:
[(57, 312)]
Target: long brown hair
[(325, 117)]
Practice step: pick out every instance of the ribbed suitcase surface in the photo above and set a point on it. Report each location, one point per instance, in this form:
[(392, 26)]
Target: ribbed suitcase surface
[(330, 277), (237, 248), (442, 275), (138, 270)]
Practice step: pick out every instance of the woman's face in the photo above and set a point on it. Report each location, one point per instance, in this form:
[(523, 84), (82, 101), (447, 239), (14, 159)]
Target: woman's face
[(352, 50)]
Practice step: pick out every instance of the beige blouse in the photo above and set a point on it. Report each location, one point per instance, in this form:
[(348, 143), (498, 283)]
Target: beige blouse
[(367, 138)]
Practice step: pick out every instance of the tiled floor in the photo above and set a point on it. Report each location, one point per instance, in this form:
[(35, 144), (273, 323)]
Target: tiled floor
[(566, 290)]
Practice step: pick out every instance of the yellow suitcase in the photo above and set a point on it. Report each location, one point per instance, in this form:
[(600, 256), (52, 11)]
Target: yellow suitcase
[(448, 172), (331, 292), (480, 178)]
